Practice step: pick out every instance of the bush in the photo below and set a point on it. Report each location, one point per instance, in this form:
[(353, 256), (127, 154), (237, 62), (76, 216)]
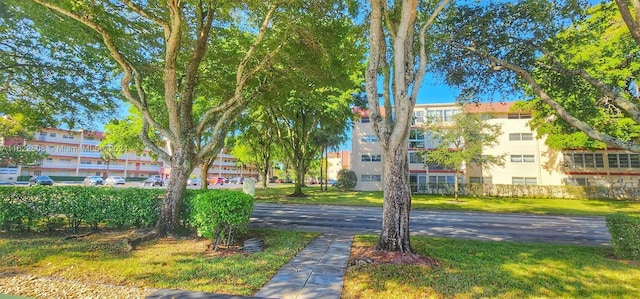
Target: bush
[(48, 207), (220, 214), (625, 236), (347, 180)]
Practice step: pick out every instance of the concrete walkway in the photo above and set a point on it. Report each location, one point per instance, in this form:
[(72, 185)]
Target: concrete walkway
[(316, 272)]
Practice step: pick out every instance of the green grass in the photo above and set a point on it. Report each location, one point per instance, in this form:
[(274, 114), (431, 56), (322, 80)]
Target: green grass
[(473, 269), (176, 264), (489, 204)]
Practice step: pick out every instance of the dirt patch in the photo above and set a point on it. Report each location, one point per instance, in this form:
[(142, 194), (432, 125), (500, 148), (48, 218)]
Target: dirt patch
[(362, 255)]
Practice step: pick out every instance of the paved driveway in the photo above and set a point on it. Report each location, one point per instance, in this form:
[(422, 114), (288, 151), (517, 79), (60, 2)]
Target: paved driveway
[(467, 225)]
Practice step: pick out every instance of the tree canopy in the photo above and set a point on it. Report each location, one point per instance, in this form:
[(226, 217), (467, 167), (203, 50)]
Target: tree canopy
[(577, 64)]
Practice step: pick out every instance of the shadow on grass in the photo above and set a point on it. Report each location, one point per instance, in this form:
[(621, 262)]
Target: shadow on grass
[(498, 270)]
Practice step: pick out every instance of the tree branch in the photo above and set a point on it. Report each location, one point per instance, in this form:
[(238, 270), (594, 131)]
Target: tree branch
[(564, 114)]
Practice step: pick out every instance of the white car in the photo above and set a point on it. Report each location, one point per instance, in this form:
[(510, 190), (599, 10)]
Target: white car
[(114, 180)]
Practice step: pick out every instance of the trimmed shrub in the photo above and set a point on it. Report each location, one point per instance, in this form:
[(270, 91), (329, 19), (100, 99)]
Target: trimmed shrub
[(49, 207), (347, 180), (625, 236), (220, 214)]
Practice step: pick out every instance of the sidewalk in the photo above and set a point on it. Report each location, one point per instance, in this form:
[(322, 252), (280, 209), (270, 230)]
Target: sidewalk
[(316, 272)]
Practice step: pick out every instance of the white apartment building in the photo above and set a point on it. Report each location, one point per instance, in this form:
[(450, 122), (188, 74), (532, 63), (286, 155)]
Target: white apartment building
[(528, 160), (75, 153)]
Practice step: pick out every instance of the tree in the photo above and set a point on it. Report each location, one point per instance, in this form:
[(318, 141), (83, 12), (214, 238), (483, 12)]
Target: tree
[(578, 65), (309, 106), (463, 143), (256, 145), (159, 50), (11, 155), (347, 179), (398, 54)]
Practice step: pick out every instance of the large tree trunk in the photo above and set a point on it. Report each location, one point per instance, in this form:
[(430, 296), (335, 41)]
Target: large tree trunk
[(169, 219), (297, 190), (397, 202)]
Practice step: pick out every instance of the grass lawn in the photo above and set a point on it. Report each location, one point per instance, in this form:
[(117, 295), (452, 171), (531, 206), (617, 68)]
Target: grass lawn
[(176, 264), (487, 204), (473, 269)]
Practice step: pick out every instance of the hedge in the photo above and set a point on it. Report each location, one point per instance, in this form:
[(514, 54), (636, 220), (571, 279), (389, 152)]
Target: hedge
[(41, 208), (625, 236)]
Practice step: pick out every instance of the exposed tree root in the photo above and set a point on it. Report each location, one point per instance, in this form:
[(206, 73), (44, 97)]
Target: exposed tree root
[(139, 237), (79, 236)]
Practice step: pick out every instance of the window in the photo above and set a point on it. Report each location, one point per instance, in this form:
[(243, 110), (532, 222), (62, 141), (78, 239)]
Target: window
[(524, 181), (65, 160), (584, 160), (370, 178), (480, 180), (43, 136), (624, 161), (520, 136), (439, 116), (85, 162), (52, 134), (371, 158), (368, 139), (523, 158), (576, 181), (440, 179), (519, 116), (415, 157), (418, 117), (416, 138), (365, 119)]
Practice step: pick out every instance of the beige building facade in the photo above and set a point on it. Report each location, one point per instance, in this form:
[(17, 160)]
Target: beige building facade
[(528, 160)]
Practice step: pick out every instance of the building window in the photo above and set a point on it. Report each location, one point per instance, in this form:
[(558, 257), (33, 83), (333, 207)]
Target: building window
[(624, 161), (520, 136), (480, 180), (65, 160), (519, 116), (524, 181), (415, 158), (523, 158), (584, 160), (368, 139), (43, 136), (416, 138), (52, 134), (370, 178), (365, 119), (418, 117), (440, 179), (37, 172), (371, 158), (576, 181), (85, 162)]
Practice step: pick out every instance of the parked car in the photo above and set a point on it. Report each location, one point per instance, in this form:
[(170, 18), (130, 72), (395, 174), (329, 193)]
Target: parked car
[(40, 180), (193, 181), (93, 180), (215, 181), (237, 180), (332, 182), (154, 180), (114, 180), (312, 182)]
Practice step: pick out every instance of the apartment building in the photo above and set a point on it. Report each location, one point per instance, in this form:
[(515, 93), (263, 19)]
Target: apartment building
[(75, 153), (528, 160), (337, 161)]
